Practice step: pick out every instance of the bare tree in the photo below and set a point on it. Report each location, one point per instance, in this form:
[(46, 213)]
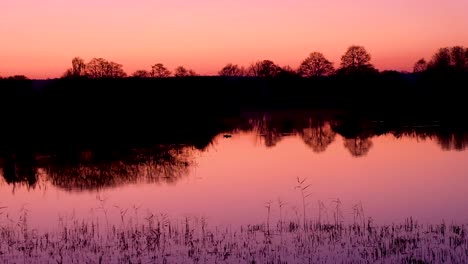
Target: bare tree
[(78, 68), (356, 57), (454, 58), (192, 73), (181, 71), (159, 71), (441, 59), (315, 65), (101, 68), (141, 74), (459, 58), (420, 65), (264, 68), (231, 70)]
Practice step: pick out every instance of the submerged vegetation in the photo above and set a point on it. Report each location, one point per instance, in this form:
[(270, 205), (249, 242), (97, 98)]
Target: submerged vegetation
[(158, 239)]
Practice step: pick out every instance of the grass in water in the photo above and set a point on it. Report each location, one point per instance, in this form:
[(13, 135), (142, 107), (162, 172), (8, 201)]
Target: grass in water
[(157, 239)]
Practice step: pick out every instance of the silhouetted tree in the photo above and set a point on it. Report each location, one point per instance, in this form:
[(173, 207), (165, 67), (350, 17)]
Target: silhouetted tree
[(141, 74), (358, 146), (159, 71), (101, 68), (454, 59), (420, 66), (78, 68), (459, 58), (181, 72), (286, 72), (315, 65), (265, 68), (319, 137), (356, 60), (231, 70), (17, 77), (440, 60), (192, 73), (355, 56)]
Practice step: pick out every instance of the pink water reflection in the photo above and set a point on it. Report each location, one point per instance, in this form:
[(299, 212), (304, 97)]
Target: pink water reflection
[(233, 179)]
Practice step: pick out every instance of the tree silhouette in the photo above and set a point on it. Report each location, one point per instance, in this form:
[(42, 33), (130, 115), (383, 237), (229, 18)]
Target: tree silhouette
[(420, 65), (440, 60), (315, 65), (231, 70), (17, 77), (319, 137), (459, 58), (355, 57), (356, 60), (454, 58), (159, 71), (192, 73), (265, 68), (78, 68), (101, 68), (358, 146), (286, 72), (181, 71), (141, 74)]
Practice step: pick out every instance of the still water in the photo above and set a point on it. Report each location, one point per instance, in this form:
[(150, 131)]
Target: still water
[(234, 178)]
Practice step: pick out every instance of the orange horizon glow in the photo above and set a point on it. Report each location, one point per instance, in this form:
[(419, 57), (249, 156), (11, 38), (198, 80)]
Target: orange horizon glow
[(40, 38)]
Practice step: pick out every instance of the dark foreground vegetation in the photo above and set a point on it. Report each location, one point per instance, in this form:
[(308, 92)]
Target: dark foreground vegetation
[(157, 239)]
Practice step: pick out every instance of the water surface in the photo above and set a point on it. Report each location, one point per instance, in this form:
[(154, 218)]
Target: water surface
[(231, 180)]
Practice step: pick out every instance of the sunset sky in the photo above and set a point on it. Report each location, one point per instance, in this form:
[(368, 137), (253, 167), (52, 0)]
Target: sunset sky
[(39, 38)]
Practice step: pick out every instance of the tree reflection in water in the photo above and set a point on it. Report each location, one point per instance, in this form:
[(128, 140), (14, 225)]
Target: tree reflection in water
[(90, 171), (169, 160), (318, 137), (358, 147)]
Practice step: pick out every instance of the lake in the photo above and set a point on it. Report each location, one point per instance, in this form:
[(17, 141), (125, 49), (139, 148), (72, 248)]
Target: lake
[(392, 170)]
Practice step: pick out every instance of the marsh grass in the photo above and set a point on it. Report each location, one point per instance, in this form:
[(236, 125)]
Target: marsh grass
[(157, 239)]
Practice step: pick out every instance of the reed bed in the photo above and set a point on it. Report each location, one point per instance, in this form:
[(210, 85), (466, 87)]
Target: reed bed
[(158, 239)]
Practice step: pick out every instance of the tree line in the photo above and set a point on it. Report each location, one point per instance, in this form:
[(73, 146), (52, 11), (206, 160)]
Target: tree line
[(356, 59)]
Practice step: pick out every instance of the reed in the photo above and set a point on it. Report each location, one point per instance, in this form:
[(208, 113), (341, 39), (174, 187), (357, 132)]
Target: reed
[(157, 239)]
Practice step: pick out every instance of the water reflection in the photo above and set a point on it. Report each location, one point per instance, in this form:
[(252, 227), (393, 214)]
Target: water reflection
[(358, 146), (96, 167), (318, 137), (91, 170)]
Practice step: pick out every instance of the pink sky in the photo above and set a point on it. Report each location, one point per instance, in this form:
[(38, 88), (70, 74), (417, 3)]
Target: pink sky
[(39, 38)]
